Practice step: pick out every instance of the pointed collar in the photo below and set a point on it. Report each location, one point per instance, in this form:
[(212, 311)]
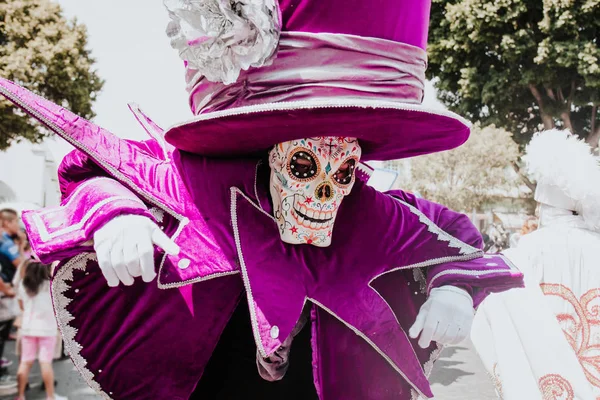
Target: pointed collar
[(280, 278)]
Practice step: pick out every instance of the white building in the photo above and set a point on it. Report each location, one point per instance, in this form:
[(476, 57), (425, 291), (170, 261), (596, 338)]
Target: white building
[(28, 174)]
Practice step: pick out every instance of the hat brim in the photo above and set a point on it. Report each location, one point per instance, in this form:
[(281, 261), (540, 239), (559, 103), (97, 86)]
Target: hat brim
[(386, 130)]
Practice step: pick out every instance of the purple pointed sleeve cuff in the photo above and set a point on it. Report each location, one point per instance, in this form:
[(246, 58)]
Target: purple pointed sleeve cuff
[(56, 233)]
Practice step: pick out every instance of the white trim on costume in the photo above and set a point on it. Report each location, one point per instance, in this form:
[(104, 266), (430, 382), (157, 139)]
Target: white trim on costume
[(46, 236), (439, 232), (428, 368), (60, 286), (320, 104), (475, 273), (73, 195), (173, 285), (467, 251)]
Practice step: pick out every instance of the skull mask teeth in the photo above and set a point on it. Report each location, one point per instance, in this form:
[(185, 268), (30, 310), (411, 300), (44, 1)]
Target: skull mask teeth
[(309, 179)]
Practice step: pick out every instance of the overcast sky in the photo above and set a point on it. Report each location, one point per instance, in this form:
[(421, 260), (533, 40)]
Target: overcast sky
[(135, 59)]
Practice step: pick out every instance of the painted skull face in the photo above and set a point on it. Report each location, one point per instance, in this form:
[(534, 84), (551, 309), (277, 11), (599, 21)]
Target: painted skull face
[(309, 179)]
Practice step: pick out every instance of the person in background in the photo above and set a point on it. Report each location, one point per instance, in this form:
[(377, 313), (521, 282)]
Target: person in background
[(541, 342), (8, 384), (39, 328), (13, 240), (498, 238), (16, 250), (12, 247), (530, 225)]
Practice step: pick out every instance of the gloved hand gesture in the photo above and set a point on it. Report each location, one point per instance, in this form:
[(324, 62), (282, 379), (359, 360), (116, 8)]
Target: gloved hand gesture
[(446, 317), (125, 248)]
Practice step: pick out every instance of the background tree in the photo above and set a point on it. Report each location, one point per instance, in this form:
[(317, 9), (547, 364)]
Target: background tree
[(519, 64), (44, 52), (465, 178)]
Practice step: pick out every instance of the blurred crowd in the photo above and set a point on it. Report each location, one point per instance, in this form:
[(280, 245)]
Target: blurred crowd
[(26, 311), (497, 238)]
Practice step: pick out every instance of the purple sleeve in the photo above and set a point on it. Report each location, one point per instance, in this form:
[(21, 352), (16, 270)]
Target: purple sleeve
[(77, 167), (90, 198), (481, 275), (56, 233), (454, 223)]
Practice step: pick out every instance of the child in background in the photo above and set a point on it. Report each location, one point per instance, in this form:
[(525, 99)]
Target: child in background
[(38, 329)]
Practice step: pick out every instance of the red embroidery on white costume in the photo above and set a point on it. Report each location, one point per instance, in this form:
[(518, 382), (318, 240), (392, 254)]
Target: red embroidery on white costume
[(497, 381), (581, 326), (555, 387)]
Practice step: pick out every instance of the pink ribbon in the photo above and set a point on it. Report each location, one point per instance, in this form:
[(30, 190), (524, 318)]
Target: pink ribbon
[(320, 67)]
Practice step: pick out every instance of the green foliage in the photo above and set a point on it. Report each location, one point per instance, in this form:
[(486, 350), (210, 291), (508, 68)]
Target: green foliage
[(519, 64), (44, 52), (467, 177)]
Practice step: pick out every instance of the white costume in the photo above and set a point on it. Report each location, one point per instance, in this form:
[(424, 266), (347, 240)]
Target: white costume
[(543, 342)]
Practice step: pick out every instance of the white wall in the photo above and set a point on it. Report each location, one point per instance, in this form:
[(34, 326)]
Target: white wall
[(29, 172), (7, 194)]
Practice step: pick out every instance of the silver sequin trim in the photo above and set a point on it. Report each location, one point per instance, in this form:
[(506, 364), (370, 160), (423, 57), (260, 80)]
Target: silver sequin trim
[(420, 278), (428, 368), (158, 214), (432, 262), (236, 235), (60, 285), (474, 272), (365, 169), (182, 224), (258, 164), (466, 251), (433, 357), (442, 235), (317, 104), (46, 236)]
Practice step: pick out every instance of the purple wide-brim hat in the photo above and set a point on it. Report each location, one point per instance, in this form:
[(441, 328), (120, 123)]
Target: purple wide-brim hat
[(354, 68)]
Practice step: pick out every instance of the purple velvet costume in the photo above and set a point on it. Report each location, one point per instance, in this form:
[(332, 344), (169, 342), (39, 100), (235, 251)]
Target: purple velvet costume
[(365, 290), (153, 341)]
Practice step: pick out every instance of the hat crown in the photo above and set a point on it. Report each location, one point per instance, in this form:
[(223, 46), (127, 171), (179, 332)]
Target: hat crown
[(405, 21), (278, 70)]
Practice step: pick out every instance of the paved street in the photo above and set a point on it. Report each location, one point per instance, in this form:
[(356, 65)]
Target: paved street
[(458, 375), (69, 382)]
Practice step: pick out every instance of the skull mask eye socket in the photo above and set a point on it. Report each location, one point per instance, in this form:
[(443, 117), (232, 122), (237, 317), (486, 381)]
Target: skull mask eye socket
[(303, 165), (343, 176)]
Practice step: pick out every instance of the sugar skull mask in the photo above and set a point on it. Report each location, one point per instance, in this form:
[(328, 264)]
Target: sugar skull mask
[(309, 179)]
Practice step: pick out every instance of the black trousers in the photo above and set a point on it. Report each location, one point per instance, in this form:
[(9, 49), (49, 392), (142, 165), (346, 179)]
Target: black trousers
[(231, 373)]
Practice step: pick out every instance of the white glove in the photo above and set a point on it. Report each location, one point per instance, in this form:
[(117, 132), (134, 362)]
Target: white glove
[(446, 317), (125, 248)]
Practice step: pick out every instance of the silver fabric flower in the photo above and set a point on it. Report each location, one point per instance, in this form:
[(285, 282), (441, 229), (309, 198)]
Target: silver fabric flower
[(219, 38)]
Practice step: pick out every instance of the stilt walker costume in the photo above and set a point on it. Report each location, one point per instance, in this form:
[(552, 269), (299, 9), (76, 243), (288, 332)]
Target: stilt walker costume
[(258, 207), (542, 342)]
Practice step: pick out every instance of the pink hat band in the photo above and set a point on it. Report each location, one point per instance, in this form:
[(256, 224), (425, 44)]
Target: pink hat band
[(320, 67)]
